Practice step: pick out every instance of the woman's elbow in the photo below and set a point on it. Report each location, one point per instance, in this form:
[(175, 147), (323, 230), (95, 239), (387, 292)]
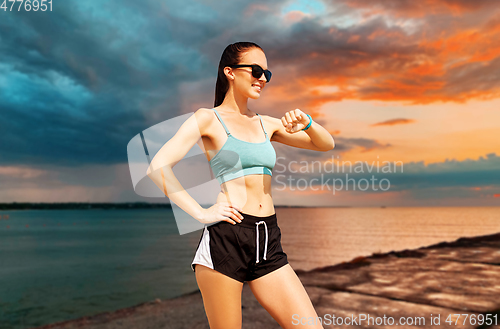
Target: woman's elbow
[(330, 147)]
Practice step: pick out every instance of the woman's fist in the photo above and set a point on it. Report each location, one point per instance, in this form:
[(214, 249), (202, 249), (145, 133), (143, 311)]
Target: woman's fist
[(294, 121)]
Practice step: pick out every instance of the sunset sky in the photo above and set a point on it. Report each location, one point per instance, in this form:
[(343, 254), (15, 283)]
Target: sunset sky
[(411, 81)]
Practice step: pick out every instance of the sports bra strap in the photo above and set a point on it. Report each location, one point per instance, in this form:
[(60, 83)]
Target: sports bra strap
[(262, 123), (220, 119)]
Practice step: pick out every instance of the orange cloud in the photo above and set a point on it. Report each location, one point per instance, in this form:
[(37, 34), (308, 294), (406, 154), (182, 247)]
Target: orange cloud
[(418, 9), (353, 38), (253, 8), (294, 16), (393, 122), (21, 172), (453, 60)]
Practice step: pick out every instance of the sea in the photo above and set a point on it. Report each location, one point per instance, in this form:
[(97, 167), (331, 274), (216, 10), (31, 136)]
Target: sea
[(58, 265)]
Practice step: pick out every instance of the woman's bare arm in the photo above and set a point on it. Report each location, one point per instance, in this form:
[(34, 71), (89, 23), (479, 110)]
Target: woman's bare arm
[(161, 173), (160, 169), (315, 138)]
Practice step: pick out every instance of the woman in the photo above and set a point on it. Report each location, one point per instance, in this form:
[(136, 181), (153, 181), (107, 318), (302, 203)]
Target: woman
[(241, 241)]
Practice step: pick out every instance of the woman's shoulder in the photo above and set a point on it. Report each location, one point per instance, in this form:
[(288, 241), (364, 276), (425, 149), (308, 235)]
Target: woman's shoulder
[(204, 114), (204, 110), (271, 124), (204, 118), (270, 119)]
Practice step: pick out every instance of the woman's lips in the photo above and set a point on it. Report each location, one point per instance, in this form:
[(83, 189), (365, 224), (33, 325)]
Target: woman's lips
[(257, 87)]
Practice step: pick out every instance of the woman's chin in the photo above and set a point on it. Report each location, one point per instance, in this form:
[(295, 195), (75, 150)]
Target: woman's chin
[(254, 95)]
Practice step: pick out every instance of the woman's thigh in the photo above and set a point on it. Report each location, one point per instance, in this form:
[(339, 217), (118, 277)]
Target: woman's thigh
[(221, 298), (282, 294)]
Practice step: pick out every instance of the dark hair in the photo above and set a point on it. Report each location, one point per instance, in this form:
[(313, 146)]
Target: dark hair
[(230, 56)]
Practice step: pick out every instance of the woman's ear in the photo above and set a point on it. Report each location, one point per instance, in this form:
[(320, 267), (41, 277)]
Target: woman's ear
[(229, 73)]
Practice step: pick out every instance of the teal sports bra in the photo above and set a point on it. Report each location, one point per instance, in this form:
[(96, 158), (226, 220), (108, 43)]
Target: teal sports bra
[(239, 158)]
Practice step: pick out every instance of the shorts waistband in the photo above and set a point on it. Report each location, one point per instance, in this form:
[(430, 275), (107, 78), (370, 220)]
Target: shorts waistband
[(252, 220)]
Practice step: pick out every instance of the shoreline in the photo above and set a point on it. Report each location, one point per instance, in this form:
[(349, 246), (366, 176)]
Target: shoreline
[(461, 276), (112, 205)]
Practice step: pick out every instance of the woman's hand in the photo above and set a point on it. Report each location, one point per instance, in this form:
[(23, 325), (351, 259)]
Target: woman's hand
[(222, 211), (294, 121)]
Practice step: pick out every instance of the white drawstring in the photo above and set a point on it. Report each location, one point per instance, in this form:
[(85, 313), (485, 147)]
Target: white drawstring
[(257, 238)]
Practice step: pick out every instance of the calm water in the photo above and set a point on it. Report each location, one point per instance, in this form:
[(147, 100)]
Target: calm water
[(61, 265)]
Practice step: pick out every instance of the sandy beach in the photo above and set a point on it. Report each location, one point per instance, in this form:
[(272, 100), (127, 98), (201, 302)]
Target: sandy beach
[(427, 286)]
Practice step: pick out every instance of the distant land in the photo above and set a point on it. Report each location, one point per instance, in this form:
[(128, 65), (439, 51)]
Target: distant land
[(124, 205)]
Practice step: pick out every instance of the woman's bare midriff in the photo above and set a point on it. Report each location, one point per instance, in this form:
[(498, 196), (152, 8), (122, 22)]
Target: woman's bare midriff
[(252, 193)]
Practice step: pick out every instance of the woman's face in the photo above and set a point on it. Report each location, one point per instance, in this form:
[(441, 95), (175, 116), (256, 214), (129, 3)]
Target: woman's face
[(243, 81)]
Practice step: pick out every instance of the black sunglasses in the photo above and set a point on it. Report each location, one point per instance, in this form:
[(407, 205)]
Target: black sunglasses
[(256, 70)]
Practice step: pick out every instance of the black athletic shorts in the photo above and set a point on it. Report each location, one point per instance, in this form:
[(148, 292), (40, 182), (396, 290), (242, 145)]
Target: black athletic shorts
[(245, 251)]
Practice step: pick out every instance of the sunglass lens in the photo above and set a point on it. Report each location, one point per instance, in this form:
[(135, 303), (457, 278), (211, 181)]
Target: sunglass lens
[(268, 75), (257, 73)]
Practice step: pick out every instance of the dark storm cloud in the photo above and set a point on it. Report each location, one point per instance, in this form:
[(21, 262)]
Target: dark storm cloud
[(78, 83), (76, 86)]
